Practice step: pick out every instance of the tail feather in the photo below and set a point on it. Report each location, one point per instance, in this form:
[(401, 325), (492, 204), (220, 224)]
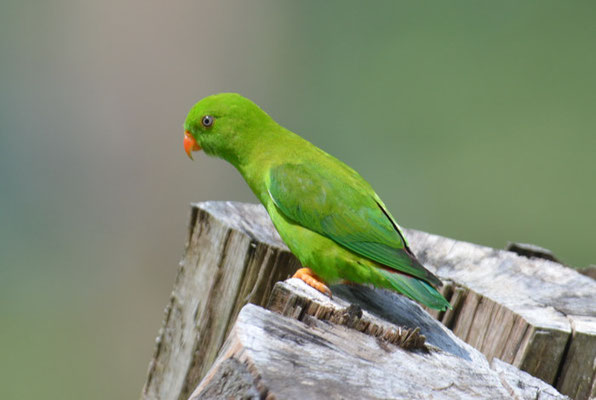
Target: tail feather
[(416, 289)]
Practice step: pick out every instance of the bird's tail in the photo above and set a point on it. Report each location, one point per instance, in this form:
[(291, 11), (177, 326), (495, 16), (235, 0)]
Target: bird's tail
[(416, 289)]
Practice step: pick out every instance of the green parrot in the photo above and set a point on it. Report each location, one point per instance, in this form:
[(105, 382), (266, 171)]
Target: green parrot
[(327, 214)]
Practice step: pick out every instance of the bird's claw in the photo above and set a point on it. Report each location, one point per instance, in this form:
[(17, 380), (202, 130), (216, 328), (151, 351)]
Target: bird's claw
[(312, 280)]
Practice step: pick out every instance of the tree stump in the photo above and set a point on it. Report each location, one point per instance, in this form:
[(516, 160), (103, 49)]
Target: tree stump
[(297, 353), (535, 314)]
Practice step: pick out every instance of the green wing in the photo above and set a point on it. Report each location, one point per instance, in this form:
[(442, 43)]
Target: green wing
[(340, 205)]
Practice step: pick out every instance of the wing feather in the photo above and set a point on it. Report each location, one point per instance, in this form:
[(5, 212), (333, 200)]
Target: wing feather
[(344, 208)]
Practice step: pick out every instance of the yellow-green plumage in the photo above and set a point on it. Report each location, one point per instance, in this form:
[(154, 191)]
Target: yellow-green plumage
[(326, 213)]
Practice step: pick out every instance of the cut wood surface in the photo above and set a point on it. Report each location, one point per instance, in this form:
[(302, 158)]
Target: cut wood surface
[(280, 357), (535, 314)]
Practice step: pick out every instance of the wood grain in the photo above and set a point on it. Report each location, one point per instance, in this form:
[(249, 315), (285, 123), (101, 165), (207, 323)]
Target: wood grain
[(316, 359), (535, 314), (531, 312), (233, 256)]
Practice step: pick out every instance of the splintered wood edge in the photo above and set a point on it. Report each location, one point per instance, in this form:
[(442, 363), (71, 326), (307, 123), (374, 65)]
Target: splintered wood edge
[(299, 306)]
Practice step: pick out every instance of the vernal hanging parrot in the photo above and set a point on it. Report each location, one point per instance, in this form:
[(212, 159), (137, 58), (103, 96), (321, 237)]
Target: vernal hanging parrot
[(326, 213)]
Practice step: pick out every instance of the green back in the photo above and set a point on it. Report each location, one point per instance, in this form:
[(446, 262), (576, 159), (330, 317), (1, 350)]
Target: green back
[(337, 203)]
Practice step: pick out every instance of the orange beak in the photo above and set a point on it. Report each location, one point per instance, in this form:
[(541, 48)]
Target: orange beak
[(190, 144)]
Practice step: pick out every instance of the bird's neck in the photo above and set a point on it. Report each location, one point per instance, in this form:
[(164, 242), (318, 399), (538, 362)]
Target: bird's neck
[(273, 147)]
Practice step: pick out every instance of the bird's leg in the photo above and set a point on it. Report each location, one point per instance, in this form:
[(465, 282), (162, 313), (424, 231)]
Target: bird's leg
[(311, 279)]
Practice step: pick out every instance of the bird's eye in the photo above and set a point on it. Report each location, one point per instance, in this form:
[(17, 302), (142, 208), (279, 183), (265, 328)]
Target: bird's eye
[(207, 121)]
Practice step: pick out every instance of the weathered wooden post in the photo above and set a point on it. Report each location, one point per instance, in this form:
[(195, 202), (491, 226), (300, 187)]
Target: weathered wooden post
[(535, 314), (233, 256)]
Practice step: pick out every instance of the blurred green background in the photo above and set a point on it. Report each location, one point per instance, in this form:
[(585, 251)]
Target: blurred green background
[(475, 120)]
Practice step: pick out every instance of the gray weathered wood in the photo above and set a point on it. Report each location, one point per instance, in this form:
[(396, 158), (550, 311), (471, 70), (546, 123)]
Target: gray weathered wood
[(535, 314), (291, 360), (384, 311), (352, 358), (522, 385), (575, 379), (383, 314), (530, 312), (233, 256)]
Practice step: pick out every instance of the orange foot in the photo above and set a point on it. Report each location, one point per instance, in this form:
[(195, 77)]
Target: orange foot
[(311, 279)]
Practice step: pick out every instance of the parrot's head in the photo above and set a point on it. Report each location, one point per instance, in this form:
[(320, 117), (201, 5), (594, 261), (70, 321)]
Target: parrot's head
[(224, 125)]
